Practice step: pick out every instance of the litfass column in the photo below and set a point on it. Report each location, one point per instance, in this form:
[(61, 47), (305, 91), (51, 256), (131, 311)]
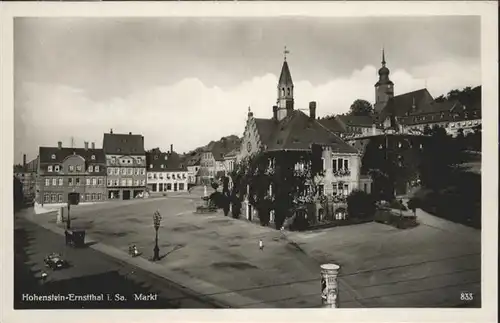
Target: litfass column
[(329, 285)]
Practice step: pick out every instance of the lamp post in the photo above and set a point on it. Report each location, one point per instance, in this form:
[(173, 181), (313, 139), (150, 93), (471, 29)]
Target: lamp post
[(68, 222), (156, 223)]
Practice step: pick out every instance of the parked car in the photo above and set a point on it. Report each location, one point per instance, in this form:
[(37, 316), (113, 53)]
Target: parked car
[(54, 261)]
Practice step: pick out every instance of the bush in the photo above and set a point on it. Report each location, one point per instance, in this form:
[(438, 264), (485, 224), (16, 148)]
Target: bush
[(396, 204), (360, 204)]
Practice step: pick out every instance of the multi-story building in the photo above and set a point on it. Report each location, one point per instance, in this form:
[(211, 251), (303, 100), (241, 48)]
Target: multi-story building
[(192, 162), (64, 170), (126, 165), (27, 174), (292, 130), (165, 172)]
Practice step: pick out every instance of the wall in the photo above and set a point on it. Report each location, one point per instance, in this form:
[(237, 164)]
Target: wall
[(330, 179), (250, 136)]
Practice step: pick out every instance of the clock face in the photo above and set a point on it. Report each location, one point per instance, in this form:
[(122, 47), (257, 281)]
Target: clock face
[(249, 146)]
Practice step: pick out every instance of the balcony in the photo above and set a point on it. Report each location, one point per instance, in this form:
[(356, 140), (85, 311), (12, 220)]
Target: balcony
[(342, 173)]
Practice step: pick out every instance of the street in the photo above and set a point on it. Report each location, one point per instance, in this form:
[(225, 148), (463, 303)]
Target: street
[(90, 273), (381, 266)]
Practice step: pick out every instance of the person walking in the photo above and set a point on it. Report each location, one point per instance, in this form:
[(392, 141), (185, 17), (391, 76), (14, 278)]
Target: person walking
[(261, 245), (44, 277)]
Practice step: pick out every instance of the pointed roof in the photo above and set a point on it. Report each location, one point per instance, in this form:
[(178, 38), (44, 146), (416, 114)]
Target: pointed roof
[(402, 104), (285, 77), (298, 132)]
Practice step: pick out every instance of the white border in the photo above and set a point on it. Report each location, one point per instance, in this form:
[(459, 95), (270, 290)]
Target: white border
[(488, 11)]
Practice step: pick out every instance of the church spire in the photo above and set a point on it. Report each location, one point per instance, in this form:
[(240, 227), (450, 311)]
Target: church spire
[(285, 89)]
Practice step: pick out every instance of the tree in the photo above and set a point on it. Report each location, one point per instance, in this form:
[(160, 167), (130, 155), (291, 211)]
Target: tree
[(360, 204), (361, 108)]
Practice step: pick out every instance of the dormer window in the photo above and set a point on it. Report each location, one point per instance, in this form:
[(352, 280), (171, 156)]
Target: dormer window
[(166, 157), (49, 168), (151, 166), (78, 168), (92, 157), (91, 169), (71, 168), (162, 166), (56, 168), (53, 156)]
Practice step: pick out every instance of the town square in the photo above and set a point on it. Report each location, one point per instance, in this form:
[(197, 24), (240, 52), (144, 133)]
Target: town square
[(182, 163)]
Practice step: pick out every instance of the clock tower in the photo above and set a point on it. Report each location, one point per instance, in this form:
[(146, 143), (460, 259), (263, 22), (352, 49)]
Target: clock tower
[(384, 88)]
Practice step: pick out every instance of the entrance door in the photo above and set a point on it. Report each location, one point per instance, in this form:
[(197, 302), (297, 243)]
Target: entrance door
[(126, 195), (175, 187)]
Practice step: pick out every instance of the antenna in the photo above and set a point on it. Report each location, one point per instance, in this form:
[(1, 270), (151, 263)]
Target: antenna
[(72, 142)]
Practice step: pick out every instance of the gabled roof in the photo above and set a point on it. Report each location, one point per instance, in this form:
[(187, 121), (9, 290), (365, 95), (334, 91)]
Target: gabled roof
[(356, 121), (298, 132), (285, 77), (265, 128), (401, 105), (61, 154), (123, 144), (170, 161), (333, 124)]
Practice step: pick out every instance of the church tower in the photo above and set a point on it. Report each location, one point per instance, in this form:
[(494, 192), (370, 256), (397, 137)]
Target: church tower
[(285, 91), (384, 88)]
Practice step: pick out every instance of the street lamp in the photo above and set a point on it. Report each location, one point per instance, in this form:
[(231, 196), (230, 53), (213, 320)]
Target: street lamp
[(156, 223)]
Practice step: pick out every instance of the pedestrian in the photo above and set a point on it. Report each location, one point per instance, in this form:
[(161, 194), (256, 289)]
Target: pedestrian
[(261, 245), (44, 277)]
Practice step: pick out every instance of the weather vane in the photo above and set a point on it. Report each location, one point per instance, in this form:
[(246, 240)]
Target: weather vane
[(286, 51)]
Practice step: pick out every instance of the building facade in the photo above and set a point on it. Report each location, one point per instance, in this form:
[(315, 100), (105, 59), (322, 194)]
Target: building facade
[(63, 170), (165, 172), (126, 165), (27, 176)]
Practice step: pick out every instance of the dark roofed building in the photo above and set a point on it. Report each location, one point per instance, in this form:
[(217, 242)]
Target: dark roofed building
[(166, 171), (64, 170), (291, 129), (126, 163)]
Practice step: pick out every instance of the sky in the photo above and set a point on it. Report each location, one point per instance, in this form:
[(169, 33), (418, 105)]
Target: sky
[(186, 81)]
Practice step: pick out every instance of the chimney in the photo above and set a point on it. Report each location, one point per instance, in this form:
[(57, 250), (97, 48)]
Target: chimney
[(275, 112), (171, 148), (111, 131), (59, 144), (86, 143), (312, 110), (24, 160), (93, 145)]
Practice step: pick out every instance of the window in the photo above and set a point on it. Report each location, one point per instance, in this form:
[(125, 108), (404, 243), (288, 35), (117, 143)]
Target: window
[(136, 182), (93, 196), (87, 197), (59, 198), (150, 176), (110, 182), (288, 89), (92, 157), (124, 171), (70, 181), (87, 181), (113, 160), (94, 181), (117, 171), (162, 166), (136, 171), (49, 168), (110, 171), (53, 198), (129, 182), (71, 168), (169, 187), (100, 181), (334, 164), (124, 182), (155, 176), (151, 166), (181, 186), (143, 182), (54, 181), (53, 156), (60, 182), (339, 163), (91, 169), (130, 171), (96, 169), (78, 168), (321, 189), (99, 196), (346, 164), (47, 182), (57, 168), (115, 182), (46, 197), (366, 187)]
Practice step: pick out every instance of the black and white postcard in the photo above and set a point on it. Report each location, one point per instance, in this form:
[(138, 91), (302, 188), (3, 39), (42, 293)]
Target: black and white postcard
[(310, 158)]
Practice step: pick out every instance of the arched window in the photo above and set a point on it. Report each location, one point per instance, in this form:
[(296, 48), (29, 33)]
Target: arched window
[(283, 92), (288, 90)]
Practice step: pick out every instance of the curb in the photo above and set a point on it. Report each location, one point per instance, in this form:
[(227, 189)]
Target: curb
[(210, 293)]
